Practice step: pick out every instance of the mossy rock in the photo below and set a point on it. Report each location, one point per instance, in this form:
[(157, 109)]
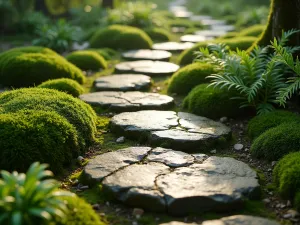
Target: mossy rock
[(262, 123), (79, 114), (254, 31), (286, 176), (243, 43), (65, 85), (106, 53), (184, 80), (211, 102), (277, 142), (158, 34), (34, 49), (87, 60), (121, 37), (19, 69)]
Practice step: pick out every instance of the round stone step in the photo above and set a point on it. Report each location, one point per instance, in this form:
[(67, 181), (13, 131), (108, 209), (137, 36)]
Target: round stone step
[(173, 46), (194, 38), (146, 54), (147, 67), (123, 82), (180, 131), (211, 33), (128, 101), (211, 22), (164, 180), (224, 27)]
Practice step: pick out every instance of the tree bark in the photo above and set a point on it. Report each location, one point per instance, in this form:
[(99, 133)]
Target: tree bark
[(108, 3), (41, 6)]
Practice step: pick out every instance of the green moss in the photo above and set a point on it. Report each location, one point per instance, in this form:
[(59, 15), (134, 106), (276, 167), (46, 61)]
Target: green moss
[(121, 37), (211, 102), (34, 49), (243, 43), (158, 34), (184, 80), (106, 53), (65, 85), (19, 69), (255, 31), (78, 113), (286, 175), (87, 60), (262, 123), (277, 142)]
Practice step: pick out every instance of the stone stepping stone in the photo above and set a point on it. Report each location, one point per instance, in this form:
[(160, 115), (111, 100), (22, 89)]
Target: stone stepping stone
[(194, 38), (164, 180), (148, 67), (225, 28), (146, 54), (180, 131), (128, 101), (200, 18), (211, 22), (232, 220), (182, 14), (173, 46), (123, 82), (211, 33)]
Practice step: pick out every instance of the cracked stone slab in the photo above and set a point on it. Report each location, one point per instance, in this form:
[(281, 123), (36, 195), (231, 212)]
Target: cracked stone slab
[(173, 46), (147, 67), (103, 165), (194, 38), (241, 220), (128, 101), (179, 131), (123, 82), (146, 54)]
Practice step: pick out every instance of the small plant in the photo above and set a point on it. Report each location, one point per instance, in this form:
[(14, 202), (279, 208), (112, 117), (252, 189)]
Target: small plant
[(30, 198)]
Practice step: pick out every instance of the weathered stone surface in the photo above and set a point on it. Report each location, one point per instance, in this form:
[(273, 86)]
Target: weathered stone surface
[(147, 67), (194, 38), (103, 165), (135, 186), (223, 27), (126, 82), (211, 33), (200, 18), (128, 101), (146, 54), (211, 22), (173, 46), (218, 184), (182, 131), (241, 220)]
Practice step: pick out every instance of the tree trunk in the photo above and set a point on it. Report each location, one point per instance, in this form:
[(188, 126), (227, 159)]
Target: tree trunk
[(108, 3), (41, 6)]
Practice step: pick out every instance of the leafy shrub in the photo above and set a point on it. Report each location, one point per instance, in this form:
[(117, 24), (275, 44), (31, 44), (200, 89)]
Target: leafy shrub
[(79, 114), (26, 69), (184, 80), (158, 34), (106, 53), (211, 102), (243, 43), (31, 21), (121, 37), (30, 198), (286, 176), (65, 85), (87, 60), (252, 16), (262, 123), (277, 142)]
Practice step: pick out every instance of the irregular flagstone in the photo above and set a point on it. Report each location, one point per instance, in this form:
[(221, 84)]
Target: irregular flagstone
[(194, 38), (241, 220), (128, 101), (123, 82), (103, 165), (147, 67), (173, 46), (146, 54), (218, 184), (180, 131)]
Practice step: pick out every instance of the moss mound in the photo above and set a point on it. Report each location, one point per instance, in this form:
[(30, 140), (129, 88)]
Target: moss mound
[(65, 85), (87, 60), (211, 102), (254, 31), (79, 114), (277, 142), (106, 53), (121, 37), (286, 176), (184, 80), (243, 43), (158, 34), (262, 123), (19, 69), (34, 49)]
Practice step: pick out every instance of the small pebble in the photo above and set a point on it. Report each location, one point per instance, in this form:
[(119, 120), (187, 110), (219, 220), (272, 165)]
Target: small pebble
[(120, 140), (238, 147), (293, 213), (80, 158), (96, 206), (287, 216), (107, 203), (213, 151), (223, 119), (84, 187), (273, 163), (134, 223), (137, 211), (266, 200)]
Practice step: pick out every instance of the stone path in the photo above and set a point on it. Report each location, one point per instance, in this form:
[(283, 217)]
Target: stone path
[(164, 180), (123, 82), (173, 46), (194, 38), (128, 101), (146, 54), (180, 131), (147, 67)]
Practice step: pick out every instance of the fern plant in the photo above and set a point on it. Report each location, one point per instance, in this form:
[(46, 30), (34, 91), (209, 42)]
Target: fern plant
[(257, 77), (30, 198)]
